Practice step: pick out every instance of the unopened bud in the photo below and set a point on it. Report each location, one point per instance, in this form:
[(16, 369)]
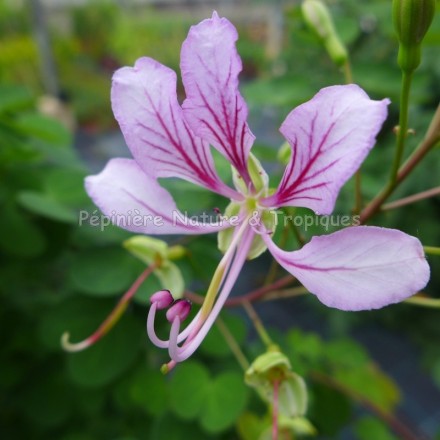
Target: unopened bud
[(180, 308), (162, 298), (318, 18), (412, 19), (176, 252)]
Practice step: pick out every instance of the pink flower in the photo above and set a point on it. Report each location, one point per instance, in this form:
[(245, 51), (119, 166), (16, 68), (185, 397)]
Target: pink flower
[(357, 268)]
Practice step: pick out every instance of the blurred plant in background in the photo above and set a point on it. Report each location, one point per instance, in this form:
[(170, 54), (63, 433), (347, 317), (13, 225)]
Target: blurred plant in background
[(56, 275)]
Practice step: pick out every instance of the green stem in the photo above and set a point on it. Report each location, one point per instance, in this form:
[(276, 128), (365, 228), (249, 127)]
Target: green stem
[(432, 250), (232, 343), (402, 131), (264, 336), (423, 302), (421, 151), (348, 72)]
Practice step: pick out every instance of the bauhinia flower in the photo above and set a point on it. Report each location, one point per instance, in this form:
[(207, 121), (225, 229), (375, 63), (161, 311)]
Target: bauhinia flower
[(357, 268)]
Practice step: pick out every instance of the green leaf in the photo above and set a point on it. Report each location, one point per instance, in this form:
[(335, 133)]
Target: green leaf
[(44, 128), (368, 428), (225, 400), (66, 185), (188, 388), (148, 390), (330, 410), (381, 389), (13, 98), (19, 235), (43, 205), (103, 272), (42, 402), (110, 357), (250, 426)]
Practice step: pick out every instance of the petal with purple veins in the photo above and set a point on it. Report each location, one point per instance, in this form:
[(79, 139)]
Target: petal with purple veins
[(144, 102), (214, 107), (136, 202), (330, 136), (358, 268)]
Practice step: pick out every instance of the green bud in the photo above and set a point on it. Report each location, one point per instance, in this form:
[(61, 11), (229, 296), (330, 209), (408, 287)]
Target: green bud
[(257, 174), (176, 252), (412, 19), (318, 18), (284, 153), (154, 251), (292, 392)]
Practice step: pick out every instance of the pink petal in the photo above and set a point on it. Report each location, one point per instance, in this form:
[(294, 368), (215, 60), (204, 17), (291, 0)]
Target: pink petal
[(136, 202), (330, 136), (145, 104), (214, 107), (358, 268)]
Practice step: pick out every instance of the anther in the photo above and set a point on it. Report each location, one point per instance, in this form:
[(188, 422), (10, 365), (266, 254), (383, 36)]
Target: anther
[(180, 308), (162, 299)]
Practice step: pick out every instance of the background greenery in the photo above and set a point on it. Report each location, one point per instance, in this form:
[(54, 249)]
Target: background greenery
[(57, 276)]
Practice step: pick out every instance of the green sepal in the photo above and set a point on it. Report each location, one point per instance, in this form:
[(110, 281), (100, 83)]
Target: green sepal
[(258, 176), (284, 153), (292, 392), (258, 245), (298, 426), (224, 237)]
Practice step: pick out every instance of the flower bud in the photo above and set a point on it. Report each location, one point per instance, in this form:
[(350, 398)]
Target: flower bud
[(318, 18), (180, 308), (412, 19), (162, 298)]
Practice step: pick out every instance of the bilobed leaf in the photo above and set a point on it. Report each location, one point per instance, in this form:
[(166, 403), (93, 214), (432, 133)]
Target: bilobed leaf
[(225, 400), (188, 389), (148, 390)]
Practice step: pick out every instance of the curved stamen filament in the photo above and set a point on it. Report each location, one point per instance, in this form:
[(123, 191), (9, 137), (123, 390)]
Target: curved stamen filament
[(165, 343), (190, 345), (111, 319)]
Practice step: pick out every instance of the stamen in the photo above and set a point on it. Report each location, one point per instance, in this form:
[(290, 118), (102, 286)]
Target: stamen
[(190, 346), (162, 298), (179, 309), (173, 347)]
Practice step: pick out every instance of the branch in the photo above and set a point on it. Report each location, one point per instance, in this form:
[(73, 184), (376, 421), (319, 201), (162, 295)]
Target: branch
[(400, 428)]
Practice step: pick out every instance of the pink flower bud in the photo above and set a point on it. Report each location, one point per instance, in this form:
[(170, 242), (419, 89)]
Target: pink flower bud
[(162, 298), (180, 308)]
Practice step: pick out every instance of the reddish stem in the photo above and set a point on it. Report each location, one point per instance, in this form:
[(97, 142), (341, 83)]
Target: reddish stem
[(253, 295)]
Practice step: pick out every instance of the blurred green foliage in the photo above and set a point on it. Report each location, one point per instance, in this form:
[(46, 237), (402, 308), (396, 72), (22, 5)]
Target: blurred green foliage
[(57, 276)]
